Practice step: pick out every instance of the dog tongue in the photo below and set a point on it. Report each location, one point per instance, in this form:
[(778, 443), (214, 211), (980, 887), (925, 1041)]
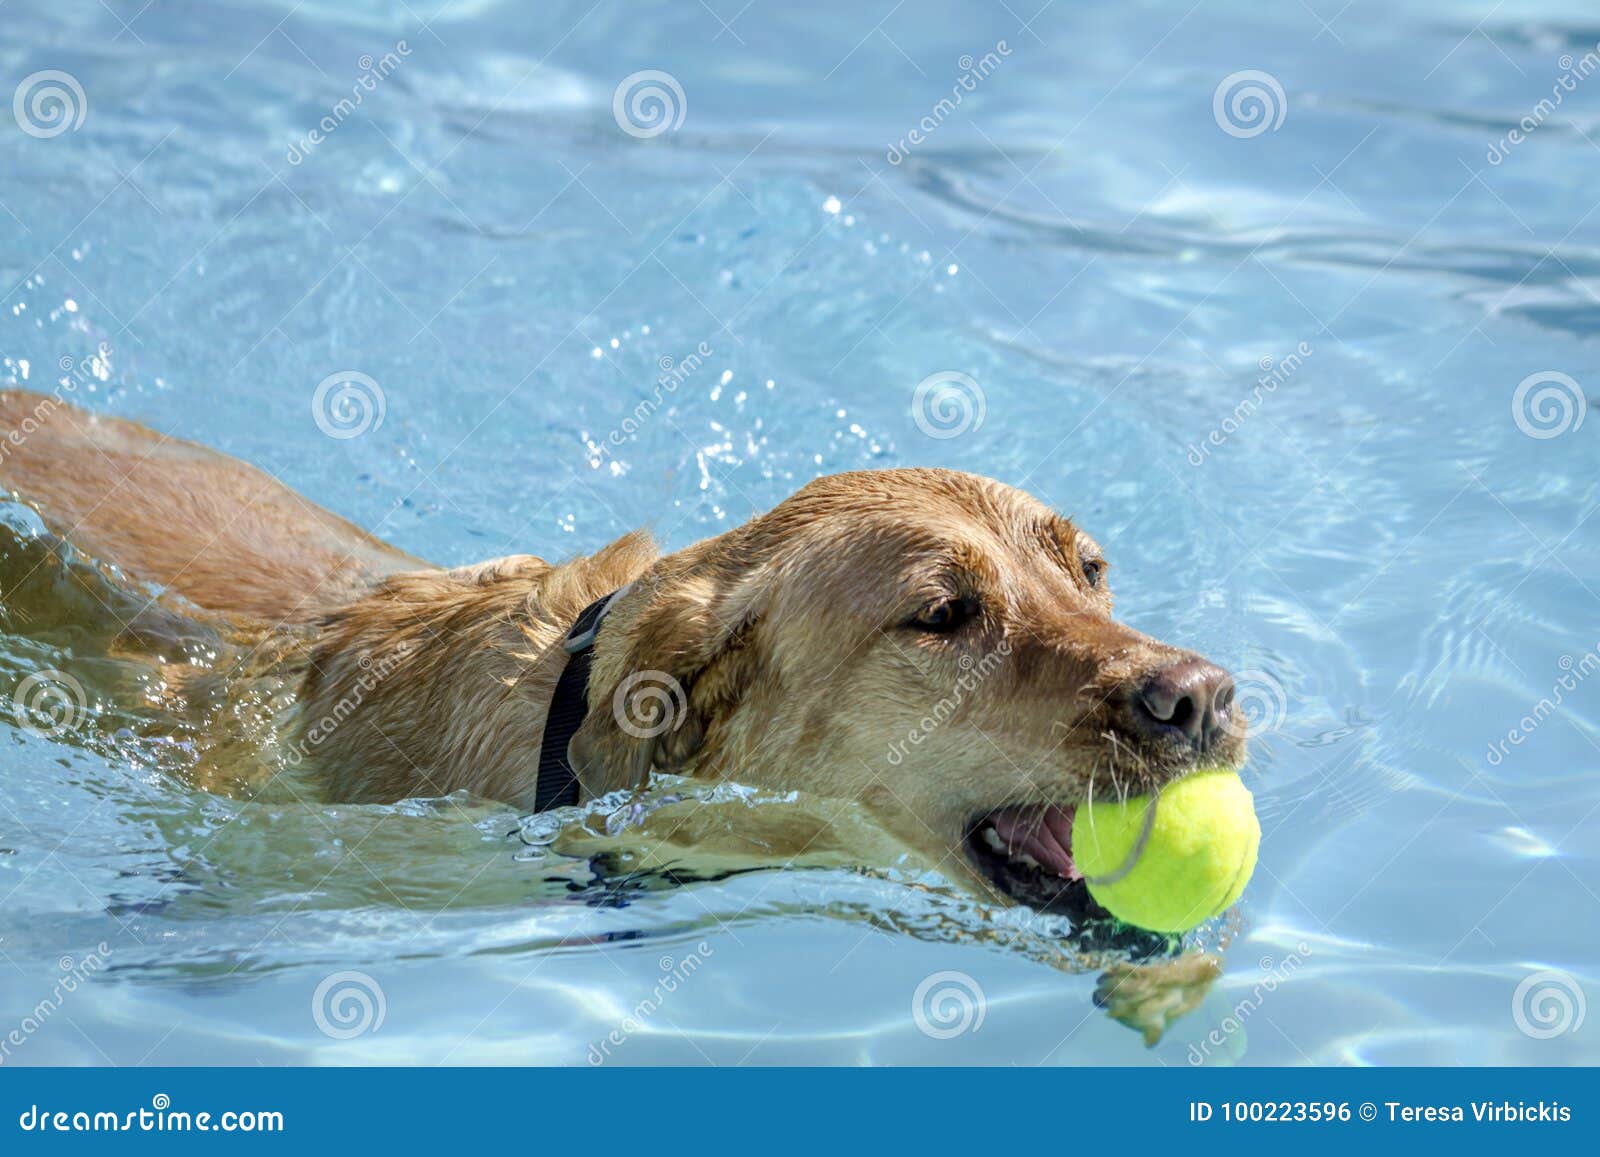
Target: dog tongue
[(1045, 834)]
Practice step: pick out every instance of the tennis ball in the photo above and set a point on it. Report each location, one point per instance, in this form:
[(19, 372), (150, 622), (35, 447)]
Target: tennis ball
[(1173, 860)]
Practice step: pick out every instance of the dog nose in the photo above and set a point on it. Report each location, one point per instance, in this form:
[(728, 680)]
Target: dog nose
[(1192, 696)]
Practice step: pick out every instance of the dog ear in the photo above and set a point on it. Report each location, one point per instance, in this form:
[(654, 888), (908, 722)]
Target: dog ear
[(685, 662)]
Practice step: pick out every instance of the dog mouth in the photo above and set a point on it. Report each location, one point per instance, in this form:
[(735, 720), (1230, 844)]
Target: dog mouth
[(1026, 853)]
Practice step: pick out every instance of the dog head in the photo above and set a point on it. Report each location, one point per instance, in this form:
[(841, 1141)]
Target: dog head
[(936, 645)]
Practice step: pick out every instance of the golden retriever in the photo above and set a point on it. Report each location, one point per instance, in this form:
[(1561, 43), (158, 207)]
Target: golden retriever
[(936, 647)]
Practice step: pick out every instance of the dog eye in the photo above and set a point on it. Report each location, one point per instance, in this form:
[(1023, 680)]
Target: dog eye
[(945, 615), (1093, 570)]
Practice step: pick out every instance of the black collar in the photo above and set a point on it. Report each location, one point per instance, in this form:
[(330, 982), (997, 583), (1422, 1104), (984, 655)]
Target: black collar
[(558, 784)]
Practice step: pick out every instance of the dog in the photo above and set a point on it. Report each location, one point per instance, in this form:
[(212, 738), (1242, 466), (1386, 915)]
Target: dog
[(935, 647)]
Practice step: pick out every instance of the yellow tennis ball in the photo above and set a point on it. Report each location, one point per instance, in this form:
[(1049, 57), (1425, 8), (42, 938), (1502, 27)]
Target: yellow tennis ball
[(1173, 860)]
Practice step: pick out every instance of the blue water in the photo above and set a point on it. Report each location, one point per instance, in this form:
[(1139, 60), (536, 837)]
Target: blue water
[(1396, 569)]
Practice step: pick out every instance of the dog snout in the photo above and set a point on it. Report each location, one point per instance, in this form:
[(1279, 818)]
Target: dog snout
[(1189, 700)]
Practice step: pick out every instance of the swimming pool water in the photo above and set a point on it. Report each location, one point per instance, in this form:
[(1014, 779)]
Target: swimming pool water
[(1310, 364)]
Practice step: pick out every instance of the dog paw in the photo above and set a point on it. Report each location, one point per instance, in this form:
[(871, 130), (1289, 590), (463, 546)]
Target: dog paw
[(1149, 997)]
